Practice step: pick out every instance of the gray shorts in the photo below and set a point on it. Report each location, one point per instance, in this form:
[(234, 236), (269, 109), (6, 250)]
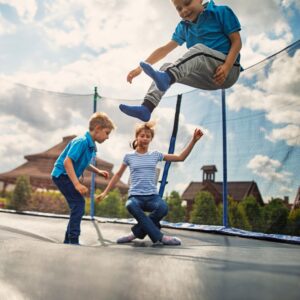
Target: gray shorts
[(196, 68)]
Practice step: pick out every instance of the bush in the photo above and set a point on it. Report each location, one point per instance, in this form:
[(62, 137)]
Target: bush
[(275, 216), (22, 193), (176, 211), (293, 224), (204, 209), (48, 202), (112, 206), (237, 215), (253, 213)]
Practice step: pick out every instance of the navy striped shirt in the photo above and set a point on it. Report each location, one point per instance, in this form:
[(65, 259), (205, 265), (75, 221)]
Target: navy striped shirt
[(143, 172)]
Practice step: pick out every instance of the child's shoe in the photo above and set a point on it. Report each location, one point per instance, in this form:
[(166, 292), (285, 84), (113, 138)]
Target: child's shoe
[(161, 78), (141, 112), (74, 241), (170, 240), (67, 239), (126, 239)]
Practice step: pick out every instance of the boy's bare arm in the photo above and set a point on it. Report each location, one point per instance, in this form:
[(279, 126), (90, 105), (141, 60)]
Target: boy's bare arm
[(68, 164), (184, 154), (223, 70), (112, 182), (94, 169), (154, 57)]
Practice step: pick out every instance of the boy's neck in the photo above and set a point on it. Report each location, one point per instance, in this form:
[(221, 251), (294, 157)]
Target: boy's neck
[(92, 134)]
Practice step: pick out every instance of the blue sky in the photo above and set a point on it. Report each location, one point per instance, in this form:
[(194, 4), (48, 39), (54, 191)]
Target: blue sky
[(69, 47)]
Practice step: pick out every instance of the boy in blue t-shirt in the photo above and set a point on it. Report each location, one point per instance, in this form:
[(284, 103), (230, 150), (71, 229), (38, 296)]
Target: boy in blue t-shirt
[(70, 165), (211, 34)]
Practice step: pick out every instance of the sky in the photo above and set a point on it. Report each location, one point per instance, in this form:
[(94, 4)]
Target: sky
[(54, 52)]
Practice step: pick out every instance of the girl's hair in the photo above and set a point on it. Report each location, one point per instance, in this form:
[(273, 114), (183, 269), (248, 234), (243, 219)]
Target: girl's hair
[(101, 119), (139, 128)]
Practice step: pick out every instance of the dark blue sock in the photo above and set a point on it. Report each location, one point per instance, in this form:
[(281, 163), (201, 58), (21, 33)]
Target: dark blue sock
[(141, 112), (161, 78)]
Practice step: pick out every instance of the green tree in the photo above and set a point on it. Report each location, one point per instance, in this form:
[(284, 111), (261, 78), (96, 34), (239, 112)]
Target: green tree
[(22, 193), (176, 211), (293, 224), (204, 209), (237, 215), (253, 212), (275, 216)]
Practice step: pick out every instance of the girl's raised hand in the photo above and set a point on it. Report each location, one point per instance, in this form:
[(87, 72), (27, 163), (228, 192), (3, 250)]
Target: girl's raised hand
[(197, 134)]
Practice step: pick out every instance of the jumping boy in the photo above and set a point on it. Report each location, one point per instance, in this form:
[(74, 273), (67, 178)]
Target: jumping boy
[(70, 165), (211, 34)]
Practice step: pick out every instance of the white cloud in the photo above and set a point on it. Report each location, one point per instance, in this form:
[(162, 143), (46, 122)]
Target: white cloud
[(276, 93), (26, 9), (290, 134), (267, 168), (5, 26)]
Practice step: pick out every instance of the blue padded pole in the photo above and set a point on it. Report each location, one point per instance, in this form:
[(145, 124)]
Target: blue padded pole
[(171, 147), (225, 209), (93, 162)]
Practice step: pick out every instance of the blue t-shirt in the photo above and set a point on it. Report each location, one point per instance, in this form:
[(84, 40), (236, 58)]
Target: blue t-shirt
[(143, 172), (212, 28), (80, 150)]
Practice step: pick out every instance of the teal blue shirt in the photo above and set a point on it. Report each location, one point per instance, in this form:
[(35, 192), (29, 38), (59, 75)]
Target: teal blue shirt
[(80, 150), (212, 29)]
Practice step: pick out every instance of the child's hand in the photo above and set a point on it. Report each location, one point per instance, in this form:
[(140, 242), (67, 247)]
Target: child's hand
[(103, 173), (133, 73), (221, 74), (81, 188), (197, 134), (100, 197)]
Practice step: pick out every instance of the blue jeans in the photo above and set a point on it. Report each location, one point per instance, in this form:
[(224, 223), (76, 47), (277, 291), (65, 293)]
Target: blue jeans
[(150, 225), (76, 204)]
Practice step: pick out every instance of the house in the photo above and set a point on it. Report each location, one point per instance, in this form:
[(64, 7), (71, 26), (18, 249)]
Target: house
[(238, 190), (39, 166)]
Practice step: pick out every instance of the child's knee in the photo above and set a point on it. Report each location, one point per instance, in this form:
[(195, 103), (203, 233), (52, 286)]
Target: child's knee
[(163, 208), (131, 205)]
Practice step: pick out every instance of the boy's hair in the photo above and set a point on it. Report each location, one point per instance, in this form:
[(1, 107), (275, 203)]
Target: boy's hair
[(143, 126), (101, 119)]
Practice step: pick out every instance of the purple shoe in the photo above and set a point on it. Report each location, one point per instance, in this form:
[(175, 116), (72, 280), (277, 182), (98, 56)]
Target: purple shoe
[(126, 239), (170, 240)]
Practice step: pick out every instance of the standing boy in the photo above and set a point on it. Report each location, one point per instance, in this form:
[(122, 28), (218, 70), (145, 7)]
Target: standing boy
[(70, 165), (211, 34)]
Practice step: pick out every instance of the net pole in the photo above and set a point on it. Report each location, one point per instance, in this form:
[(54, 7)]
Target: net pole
[(93, 162), (163, 181), (225, 209)]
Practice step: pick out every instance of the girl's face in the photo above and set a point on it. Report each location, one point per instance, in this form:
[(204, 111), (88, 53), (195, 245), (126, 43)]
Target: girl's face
[(144, 138), (188, 10)]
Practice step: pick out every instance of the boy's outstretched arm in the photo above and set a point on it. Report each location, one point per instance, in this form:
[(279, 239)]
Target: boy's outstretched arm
[(154, 57), (68, 164), (184, 154), (223, 70), (112, 183), (94, 169)]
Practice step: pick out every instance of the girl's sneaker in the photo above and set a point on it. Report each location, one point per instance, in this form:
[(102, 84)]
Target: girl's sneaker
[(126, 239), (170, 240)]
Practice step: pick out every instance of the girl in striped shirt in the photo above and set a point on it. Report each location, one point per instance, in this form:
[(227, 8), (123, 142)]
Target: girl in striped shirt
[(142, 195)]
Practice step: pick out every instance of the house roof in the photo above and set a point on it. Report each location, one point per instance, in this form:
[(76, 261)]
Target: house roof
[(237, 189), (39, 166), (211, 168)]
